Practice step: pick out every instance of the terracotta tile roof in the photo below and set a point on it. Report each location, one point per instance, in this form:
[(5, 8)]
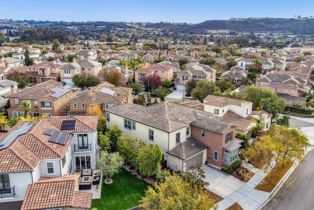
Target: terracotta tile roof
[(83, 123), (28, 149), (56, 193)]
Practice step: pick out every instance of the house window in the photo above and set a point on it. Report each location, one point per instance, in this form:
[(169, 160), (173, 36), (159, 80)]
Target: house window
[(108, 117), (216, 111), (16, 101), (129, 124), (150, 134), (4, 181), (83, 106), (177, 138), (82, 162), (215, 155), (50, 168), (229, 137), (45, 105), (202, 132), (82, 141), (35, 114), (74, 106)]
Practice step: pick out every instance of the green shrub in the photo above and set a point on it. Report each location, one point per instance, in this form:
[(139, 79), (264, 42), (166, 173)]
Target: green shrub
[(233, 167)]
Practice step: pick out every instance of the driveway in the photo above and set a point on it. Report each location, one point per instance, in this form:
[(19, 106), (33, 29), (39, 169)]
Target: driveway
[(220, 183)]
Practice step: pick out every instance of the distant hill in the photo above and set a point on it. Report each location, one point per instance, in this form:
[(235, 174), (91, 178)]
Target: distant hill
[(279, 25)]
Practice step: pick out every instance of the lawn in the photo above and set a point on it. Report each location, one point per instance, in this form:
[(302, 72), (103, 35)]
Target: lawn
[(125, 192), (272, 178)]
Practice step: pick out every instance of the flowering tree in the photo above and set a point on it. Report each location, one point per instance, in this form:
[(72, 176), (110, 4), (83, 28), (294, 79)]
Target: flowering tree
[(152, 82)]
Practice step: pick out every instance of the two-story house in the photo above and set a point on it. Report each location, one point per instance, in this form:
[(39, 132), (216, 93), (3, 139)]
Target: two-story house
[(102, 96), (49, 98), (164, 71), (186, 136), (42, 150), (41, 72), (196, 72), (90, 67), (236, 111)]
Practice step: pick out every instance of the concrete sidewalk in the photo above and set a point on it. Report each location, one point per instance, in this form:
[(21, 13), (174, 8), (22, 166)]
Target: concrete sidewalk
[(247, 196)]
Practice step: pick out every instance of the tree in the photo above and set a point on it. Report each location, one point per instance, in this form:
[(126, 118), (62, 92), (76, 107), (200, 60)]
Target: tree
[(152, 82), (113, 77), (278, 147), (94, 110), (265, 99), (167, 84), (109, 164), (208, 61), (28, 61), (101, 125), (225, 85), (204, 88), (195, 177), (85, 80), (18, 77), (173, 194), (104, 141), (190, 85), (26, 106), (137, 88), (113, 133), (149, 158), (183, 61), (56, 46), (3, 121), (162, 93), (284, 121), (129, 147)]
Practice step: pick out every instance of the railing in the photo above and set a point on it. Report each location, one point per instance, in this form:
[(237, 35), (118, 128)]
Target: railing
[(82, 148), (7, 192)]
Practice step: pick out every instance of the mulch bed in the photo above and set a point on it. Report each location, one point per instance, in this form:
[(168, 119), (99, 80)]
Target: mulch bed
[(213, 196), (235, 206), (272, 178), (243, 174)]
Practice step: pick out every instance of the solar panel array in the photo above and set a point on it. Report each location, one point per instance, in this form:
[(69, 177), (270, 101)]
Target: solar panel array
[(12, 136), (57, 137), (68, 124), (58, 92)]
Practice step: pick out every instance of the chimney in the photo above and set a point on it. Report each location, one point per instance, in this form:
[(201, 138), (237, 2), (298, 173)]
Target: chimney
[(13, 89)]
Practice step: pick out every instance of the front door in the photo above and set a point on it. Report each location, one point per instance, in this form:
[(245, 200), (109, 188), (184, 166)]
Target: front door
[(82, 162)]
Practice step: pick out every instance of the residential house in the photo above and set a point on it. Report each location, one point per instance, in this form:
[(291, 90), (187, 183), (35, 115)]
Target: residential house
[(186, 136), (103, 96), (47, 98), (235, 111), (12, 62), (38, 152), (7, 87), (197, 72), (244, 63), (69, 70), (235, 75), (41, 72), (164, 71), (290, 83), (88, 55), (90, 67)]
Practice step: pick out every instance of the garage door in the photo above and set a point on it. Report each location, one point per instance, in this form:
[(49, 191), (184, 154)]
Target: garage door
[(197, 159)]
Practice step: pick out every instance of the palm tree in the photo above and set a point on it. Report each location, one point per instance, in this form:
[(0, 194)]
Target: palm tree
[(26, 106), (3, 121)]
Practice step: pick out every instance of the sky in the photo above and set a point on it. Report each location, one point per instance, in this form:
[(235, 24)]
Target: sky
[(190, 11)]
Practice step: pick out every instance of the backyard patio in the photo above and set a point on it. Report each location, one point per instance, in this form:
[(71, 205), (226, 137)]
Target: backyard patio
[(125, 192)]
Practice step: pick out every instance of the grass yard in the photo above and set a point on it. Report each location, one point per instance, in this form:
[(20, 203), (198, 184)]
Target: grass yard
[(272, 178), (125, 192)]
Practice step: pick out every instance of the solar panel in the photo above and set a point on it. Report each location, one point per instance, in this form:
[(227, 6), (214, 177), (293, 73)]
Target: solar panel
[(58, 92), (48, 132), (68, 125), (58, 137), (11, 137)]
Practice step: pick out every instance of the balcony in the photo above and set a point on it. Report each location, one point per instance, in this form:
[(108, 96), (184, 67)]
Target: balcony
[(7, 193), (82, 148)]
